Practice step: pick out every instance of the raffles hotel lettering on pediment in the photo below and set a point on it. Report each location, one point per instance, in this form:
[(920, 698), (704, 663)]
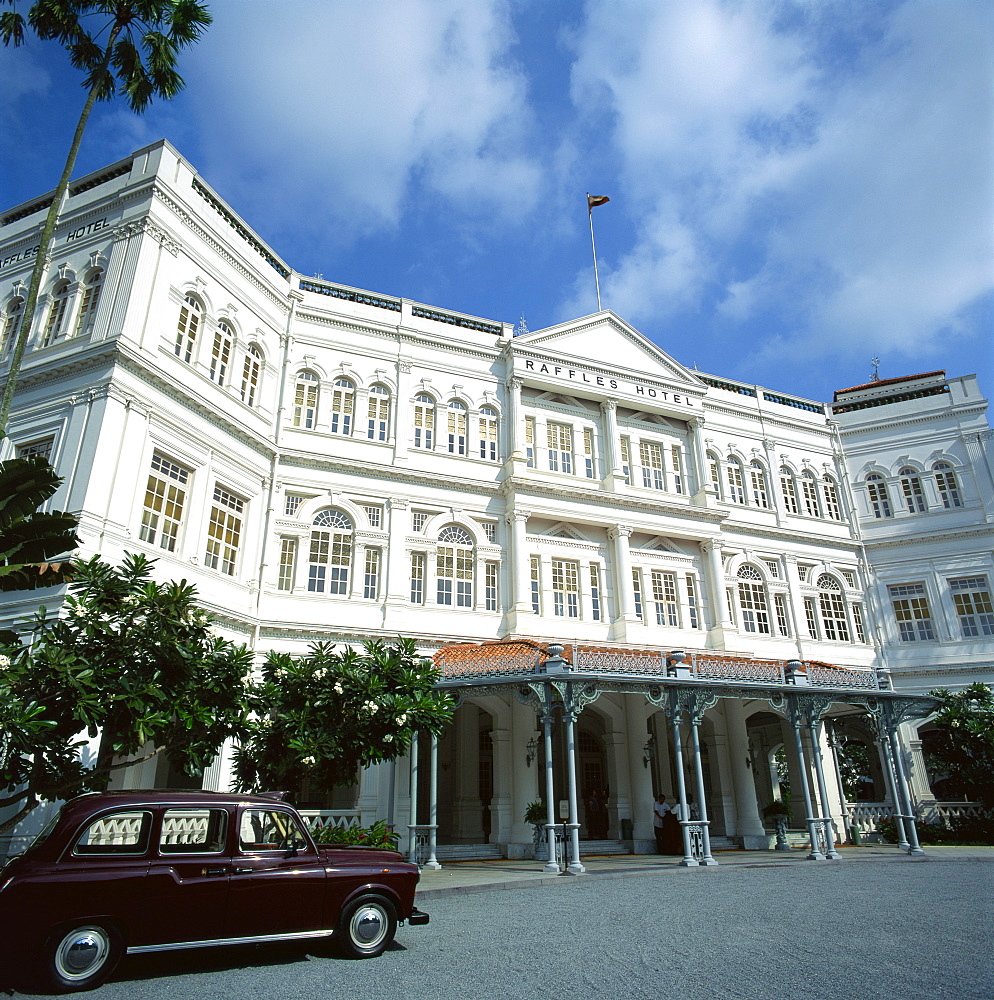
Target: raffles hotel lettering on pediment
[(611, 385)]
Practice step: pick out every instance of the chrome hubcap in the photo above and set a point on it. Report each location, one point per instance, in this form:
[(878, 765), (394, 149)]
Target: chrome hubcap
[(368, 925), (82, 952)]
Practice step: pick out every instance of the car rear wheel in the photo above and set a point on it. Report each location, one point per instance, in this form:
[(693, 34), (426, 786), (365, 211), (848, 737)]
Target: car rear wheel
[(367, 925), (80, 957)]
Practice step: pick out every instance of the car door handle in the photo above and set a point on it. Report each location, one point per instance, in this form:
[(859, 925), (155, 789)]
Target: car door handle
[(243, 871), (215, 871)]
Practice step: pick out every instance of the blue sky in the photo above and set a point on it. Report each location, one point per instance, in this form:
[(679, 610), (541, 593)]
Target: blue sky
[(795, 186)]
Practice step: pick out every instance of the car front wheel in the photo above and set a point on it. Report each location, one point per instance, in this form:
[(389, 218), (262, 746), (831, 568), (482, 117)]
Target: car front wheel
[(367, 925), (81, 958)]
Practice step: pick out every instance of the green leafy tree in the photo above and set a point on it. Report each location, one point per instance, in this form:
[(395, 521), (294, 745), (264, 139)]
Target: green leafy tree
[(322, 716), (960, 741), (126, 47), (30, 538), (129, 658)]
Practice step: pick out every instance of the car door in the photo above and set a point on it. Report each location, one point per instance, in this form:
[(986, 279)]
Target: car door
[(277, 879), (187, 886)]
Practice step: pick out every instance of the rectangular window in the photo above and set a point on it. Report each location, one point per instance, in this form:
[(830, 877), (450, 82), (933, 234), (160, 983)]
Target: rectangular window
[(972, 597), (535, 569), (565, 588), (595, 593), (850, 577), (773, 567), (491, 576), (560, 437), (378, 416), (417, 578), (833, 616), (914, 620), (789, 494), (530, 441), (811, 616), (419, 519), (651, 459), (454, 575), (693, 603), (489, 530), (293, 501), (224, 531), (676, 468), (165, 495), (193, 831), (41, 449), (857, 620), (833, 508), (637, 590), (809, 490), (626, 459), (664, 598), (371, 574), (330, 550), (288, 563), (736, 488), (588, 452), (780, 607), (755, 612), (374, 513), (732, 609)]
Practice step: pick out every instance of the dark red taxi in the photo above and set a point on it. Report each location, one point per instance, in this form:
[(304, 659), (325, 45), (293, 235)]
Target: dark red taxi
[(136, 872)]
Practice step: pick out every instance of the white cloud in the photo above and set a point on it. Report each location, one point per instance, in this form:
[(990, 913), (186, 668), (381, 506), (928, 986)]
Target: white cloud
[(337, 107), (827, 174)]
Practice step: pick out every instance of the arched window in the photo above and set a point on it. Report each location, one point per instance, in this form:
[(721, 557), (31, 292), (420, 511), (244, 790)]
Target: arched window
[(757, 482), (911, 487), (55, 327), (488, 433), (190, 315), (379, 413), (736, 486), (833, 508), (331, 553), (809, 493), (945, 482), (342, 406), (251, 370), (789, 489), (457, 428), (714, 473), (835, 624), (424, 421), (11, 323), (91, 299), (876, 492), (305, 399), (455, 567), (753, 600), (224, 339)]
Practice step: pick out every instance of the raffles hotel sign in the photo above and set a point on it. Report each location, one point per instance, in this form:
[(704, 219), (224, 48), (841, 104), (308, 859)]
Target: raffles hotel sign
[(610, 385)]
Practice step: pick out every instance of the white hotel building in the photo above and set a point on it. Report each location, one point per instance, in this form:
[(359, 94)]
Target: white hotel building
[(329, 463)]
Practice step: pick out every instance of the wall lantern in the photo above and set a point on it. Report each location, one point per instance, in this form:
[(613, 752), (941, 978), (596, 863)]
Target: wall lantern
[(649, 751), (531, 750)]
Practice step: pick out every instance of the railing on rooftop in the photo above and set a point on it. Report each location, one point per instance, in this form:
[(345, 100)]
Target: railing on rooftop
[(897, 397), (350, 295), (455, 320)]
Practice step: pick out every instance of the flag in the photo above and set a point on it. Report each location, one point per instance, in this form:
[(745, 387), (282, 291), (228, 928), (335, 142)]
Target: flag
[(593, 200)]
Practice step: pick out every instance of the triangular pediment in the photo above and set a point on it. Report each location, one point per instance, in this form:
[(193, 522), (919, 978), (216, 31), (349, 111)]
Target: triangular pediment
[(564, 530), (609, 342)]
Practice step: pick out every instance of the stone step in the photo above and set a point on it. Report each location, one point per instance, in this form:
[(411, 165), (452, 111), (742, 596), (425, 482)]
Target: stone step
[(468, 852), (592, 847)]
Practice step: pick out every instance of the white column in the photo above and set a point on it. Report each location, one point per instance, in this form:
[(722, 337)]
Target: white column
[(796, 601), (696, 459), (513, 428), (612, 463), (520, 596), (468, 807), (550, 791), (748, 824), (413, 814), (625, 616), (717, 601), (637, 715), (689, 861), (432, 862), (695, 737), (809, 812), (525, 782), (398, 566), (826, 812), (502, 801)]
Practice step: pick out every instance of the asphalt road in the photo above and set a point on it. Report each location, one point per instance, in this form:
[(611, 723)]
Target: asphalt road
[(820, 931)]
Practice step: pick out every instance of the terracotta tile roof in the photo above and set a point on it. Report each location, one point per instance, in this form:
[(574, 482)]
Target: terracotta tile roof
[(888, 381)]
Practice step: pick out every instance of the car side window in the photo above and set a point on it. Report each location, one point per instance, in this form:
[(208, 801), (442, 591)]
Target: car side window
[(193, 831), (269, 830), (116, 833)]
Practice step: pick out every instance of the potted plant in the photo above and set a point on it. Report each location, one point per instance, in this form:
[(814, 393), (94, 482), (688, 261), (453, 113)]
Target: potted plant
[(777, 812), (535, 813)]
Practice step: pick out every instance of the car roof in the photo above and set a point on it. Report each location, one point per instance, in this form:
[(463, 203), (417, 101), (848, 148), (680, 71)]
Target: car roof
[(93, 802)]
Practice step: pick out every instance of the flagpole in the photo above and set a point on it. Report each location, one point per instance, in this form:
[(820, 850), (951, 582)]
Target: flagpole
[(593, 247)]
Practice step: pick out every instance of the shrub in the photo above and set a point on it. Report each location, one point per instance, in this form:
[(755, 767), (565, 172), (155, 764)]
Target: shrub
[(377, 835)]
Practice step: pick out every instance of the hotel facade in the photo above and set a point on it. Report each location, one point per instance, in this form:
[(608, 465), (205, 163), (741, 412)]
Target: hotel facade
[(327, 463)]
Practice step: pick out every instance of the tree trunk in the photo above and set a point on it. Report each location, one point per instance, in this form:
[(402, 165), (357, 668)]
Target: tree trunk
[(44, 245)]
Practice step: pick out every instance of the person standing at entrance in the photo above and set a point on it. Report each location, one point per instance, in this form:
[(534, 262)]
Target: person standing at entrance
[(660, 810)]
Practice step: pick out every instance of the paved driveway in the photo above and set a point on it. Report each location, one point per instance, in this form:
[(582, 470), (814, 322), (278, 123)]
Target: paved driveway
[(884, 931)]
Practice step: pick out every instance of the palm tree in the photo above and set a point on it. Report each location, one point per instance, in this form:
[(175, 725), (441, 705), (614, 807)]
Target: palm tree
[(29, 538), (135, 58)]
